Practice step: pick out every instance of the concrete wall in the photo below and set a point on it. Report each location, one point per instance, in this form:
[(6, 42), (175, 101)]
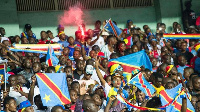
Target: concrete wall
[(49, 20), (166, 11), (9, 18)]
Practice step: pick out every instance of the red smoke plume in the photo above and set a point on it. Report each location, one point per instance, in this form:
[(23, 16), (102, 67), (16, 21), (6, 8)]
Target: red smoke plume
[(74, 16)]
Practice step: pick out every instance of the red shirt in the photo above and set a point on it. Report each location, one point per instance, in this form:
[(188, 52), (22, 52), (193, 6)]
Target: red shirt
[(44, 42)]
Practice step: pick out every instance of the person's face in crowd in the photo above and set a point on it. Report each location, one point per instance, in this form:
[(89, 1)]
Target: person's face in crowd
[(148, 74), (130, 24), (145, 27), (169, 85), (76, 55), (163, 28), (154, 62), (88, 76), (158, 82), (12, 80), (181, 60), (98, 25), (12, 106), (29, 109), (62, 60), (140, 96), (154, 43), (109, 80), (73, 96), (36, 68), (135, 39), (6, 43), (66, 51), (76, 87), (183, 46), (24, 40), (189, 86), (122, 47), (178, 27), (194, 100), (100, 92), (114, 41), (90, 33), (174, 71), (166, 80), (68, 62), (50, 35), (4, 51), (30, 33), (93, 54), (69, 81), (17, 39), (2, 31), (68, 71), (178, 44), (28, 64), (36, 59), (174, 24), (104, 63), (196, 84), (97, 99), (116, 82), (21, 79), (148, 30), (43, 35), (197, 109), (134, 49), (31, 40), (62, 36), (88, 41), (93, 107), (71, 40), (167, 59), (80, 65), (186, 74), (164, 49), (192, 43)]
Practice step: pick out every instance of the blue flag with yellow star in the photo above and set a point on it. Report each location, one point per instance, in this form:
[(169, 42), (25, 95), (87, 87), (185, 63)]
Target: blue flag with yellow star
[(53, 88)]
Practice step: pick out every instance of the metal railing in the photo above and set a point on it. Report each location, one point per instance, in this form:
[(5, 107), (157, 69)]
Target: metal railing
[(50, 5)]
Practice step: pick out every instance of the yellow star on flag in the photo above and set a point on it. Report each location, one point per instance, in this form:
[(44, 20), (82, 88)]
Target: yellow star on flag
[(47, 98)]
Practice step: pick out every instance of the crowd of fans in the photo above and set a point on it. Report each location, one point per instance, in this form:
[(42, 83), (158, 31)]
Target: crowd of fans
[(85, 59)]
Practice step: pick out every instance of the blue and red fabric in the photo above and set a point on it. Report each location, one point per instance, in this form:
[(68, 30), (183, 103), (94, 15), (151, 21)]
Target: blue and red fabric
[(53, 90), (51, 59), (140, 82)]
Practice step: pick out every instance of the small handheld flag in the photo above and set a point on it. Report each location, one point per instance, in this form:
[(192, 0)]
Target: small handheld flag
[(169, 96), (111, 27), (53, 90), (51, 59), (143, 84)]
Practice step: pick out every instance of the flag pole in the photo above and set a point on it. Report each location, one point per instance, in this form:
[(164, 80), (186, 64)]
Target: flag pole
[(5, 75)]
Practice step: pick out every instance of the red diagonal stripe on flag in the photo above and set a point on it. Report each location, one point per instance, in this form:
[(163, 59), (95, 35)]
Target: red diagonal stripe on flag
[(126, 68), (53, 87), (50, 62), (110, 22), (144, 86)]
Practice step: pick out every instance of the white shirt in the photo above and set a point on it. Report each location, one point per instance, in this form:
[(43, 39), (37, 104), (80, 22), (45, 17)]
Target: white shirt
[(4, 38), (100, 42), (17, 95), (95, 76), (106, 51), (56, 39)]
